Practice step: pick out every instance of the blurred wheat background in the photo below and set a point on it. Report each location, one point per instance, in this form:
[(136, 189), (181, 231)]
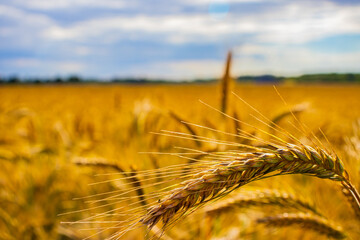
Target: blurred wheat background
[(55, 139)]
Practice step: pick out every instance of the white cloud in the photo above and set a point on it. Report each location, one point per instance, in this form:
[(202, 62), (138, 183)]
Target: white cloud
[(292, 23), (82, 51), (291, 60), (114, 4), (62, 4), (179, 70), (206, 2), (288, 25), (23, 62), (34, 66), (250, 59), (296, 22), (20, 16), (24, 29), (68, 67), (187, 27), (299, 23), (253, 60)]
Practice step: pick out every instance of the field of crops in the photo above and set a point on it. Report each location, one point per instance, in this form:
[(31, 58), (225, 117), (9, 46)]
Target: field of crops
[(57, 140)]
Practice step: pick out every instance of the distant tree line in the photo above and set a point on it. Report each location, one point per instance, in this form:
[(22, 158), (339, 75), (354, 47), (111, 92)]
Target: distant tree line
[(74, 79), (309, 78), (333, 77), (18, 80)]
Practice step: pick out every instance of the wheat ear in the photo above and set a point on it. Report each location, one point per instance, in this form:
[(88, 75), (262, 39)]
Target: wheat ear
[(222, 178), (307, 221), (261, 198)]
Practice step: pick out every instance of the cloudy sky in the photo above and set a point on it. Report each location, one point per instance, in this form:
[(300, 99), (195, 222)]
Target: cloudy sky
[(180, 39)]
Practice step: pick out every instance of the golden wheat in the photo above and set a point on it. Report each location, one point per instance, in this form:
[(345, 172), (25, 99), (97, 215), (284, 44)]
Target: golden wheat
[(240, 169), (260, 198), (305, 221)]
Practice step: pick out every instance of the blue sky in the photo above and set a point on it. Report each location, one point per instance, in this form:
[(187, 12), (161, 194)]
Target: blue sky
[(182, 39)]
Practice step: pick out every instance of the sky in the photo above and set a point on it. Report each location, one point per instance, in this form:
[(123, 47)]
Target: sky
[(177, 39)]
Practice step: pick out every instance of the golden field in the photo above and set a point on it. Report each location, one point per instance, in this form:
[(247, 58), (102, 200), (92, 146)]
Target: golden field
[(56, 140)]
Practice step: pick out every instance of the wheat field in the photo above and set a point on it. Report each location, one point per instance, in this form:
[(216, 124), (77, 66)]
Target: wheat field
[(98, 161)]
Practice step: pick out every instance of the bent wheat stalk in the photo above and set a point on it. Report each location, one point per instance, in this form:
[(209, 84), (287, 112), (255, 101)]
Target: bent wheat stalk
[(242, 168), (307, 221), (131, 176), (352, 196)]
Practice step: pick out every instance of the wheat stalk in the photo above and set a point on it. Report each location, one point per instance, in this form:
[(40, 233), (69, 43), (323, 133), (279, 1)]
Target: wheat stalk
[(292, 111), (307, 221), (261, 198), (352, 196), (187, 126), (225, 83), (131, 176)]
